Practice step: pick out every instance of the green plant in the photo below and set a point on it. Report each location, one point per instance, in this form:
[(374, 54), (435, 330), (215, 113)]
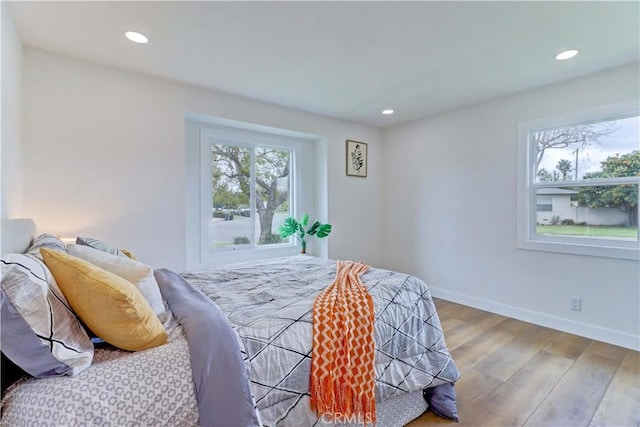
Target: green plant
[(242, 240), (291, 227)]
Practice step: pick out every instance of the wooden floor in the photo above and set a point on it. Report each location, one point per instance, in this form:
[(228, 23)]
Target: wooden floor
[(518, 374)]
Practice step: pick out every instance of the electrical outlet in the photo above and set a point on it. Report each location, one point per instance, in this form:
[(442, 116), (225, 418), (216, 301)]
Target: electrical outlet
[(576, 303)]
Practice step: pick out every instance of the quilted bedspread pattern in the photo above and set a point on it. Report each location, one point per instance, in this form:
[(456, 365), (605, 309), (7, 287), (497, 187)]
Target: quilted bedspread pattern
[(146, 388), (269, 304)]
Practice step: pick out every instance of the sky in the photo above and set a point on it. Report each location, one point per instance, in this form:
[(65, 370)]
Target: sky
[(624, 139)]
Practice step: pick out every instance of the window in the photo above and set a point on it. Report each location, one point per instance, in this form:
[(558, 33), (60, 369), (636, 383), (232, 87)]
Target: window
[(247, 179), (544, 204), (251, 194), (578, 183)]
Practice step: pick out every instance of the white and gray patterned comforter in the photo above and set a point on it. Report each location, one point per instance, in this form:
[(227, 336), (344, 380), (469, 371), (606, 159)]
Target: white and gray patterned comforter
[(269, 305)]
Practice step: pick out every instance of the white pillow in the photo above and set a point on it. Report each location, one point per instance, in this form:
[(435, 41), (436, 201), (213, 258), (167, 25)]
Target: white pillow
[(141, 275)]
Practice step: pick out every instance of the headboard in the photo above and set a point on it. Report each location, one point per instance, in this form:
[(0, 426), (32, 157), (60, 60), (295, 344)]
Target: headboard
[(17, 235)]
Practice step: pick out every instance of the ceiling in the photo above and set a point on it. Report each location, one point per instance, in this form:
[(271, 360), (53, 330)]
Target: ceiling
[(347, 60)]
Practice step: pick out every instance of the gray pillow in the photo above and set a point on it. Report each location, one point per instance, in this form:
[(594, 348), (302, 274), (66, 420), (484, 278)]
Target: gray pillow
[(39, 331), (45, 241), (99, 245), (442, 401)]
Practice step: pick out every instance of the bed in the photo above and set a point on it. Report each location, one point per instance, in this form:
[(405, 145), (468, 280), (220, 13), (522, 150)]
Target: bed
[(258, 353)]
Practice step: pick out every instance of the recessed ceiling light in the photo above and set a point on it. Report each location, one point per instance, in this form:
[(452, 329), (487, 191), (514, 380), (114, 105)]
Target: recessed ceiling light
[(136, 37), (566, 54), (387, 111)]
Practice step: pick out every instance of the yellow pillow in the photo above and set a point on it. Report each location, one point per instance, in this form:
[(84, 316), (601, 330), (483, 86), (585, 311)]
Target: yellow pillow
[(109, 305), (129, 254)]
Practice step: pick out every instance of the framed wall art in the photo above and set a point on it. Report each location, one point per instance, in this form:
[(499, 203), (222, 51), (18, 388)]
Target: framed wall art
[(356, 158)]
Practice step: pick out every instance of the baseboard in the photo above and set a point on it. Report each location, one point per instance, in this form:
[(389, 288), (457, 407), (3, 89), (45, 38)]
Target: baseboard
[(577, 328)]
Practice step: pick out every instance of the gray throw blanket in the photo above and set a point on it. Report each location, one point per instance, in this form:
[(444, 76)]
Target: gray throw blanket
[(219, 373)]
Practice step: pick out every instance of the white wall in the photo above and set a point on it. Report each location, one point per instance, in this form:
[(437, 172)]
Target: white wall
[(450, 199), (105, 156), (11, 145), (601, 216)]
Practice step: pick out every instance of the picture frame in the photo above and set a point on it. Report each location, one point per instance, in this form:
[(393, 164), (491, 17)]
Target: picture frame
[(356, 158)]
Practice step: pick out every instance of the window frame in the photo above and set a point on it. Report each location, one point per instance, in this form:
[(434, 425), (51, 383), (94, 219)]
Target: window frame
[(527, 236)]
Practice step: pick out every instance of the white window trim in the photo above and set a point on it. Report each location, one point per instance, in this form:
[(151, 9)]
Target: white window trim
[(199, 132), (527, 237)]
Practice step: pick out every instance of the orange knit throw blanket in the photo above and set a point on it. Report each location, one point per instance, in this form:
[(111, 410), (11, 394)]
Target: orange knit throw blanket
[(342, 365)]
